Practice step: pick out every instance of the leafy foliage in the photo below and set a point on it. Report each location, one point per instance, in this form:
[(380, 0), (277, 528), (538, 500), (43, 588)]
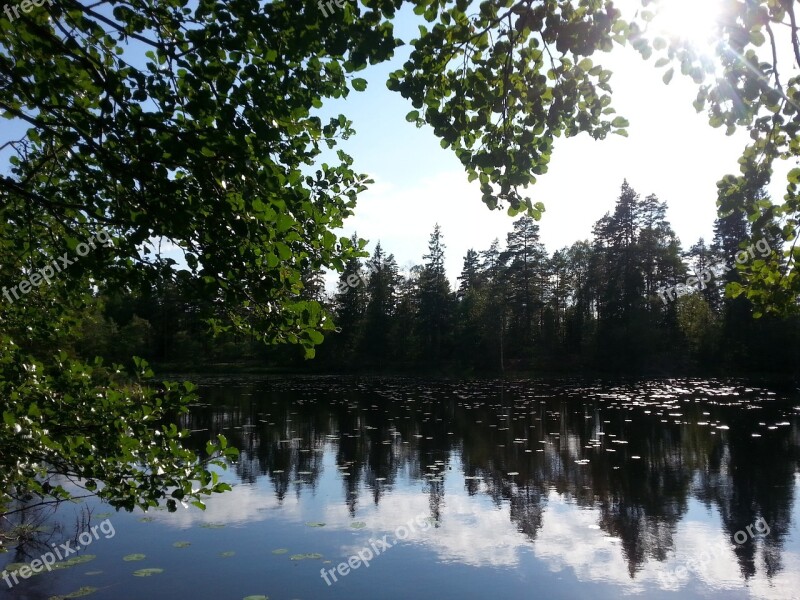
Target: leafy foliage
[(169, 124), (119, 446), (497, 86)]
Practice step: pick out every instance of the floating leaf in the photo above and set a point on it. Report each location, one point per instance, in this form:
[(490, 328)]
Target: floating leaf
[(280, 551), (182, 544), (84, 591), (358, 524), (314, 555), (315, 524), (147, 572), (256, 598), (133, 557), (147, 519), (75, 560), (227, 554)]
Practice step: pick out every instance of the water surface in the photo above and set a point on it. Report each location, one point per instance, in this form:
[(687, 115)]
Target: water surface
[(524, 489)]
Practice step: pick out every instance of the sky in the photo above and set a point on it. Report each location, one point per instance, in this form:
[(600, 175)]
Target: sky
[(671, 152)]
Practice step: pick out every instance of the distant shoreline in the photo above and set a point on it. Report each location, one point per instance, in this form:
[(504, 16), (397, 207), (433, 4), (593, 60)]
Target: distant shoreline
[(790, 380)]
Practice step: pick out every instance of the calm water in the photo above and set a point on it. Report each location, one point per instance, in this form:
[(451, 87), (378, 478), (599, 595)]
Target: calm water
[(662, 489)]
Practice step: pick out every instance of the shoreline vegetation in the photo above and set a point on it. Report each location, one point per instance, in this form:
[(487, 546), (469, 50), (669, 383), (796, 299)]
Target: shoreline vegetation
[(788, 381)]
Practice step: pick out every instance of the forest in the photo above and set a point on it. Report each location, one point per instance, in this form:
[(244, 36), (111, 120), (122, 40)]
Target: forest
[(597, 306)]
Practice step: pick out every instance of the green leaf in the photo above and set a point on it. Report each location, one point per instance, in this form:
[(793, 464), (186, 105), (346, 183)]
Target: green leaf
[(147, 572), (757, 38), (133, 557)]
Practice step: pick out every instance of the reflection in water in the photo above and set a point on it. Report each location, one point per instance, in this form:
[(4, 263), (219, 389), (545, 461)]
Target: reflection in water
[(617, 482), (534, 490)]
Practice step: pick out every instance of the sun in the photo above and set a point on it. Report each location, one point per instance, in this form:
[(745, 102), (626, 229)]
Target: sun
[(695, 22)]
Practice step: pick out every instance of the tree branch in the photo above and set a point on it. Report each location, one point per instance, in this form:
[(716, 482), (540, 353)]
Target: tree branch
[(114, 25)]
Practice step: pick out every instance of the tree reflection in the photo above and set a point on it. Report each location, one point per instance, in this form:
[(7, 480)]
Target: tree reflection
[(636, 452)]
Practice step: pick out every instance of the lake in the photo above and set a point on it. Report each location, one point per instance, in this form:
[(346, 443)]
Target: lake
[(407, 488)]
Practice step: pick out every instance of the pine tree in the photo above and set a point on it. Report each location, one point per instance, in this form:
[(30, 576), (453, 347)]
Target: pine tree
[(470, 273), (382, 294), (435, 302), (635, 251), (527, 276), (350, 303), (495, 307)]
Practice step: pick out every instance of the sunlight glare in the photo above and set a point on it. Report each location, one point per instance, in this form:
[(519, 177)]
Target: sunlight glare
[(692, 21)]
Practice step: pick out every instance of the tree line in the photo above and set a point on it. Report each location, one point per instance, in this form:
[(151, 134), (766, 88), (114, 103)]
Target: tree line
[(598, 305)]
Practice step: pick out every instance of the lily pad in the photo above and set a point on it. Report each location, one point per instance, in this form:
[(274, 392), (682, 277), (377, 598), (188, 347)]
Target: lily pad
[(227, 554), (182, 544), (147, 572), (310, 524), (84, 591), (260, 597), (133, 557), (358, 525), (313, 555), (147, 519), (280, 551), (75, 560)]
